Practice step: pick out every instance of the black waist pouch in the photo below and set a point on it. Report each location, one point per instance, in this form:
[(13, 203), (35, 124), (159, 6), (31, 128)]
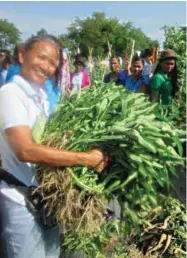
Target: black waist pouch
[(33, 199)]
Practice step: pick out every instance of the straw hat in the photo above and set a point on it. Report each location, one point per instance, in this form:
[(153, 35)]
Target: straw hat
[(165, 54)]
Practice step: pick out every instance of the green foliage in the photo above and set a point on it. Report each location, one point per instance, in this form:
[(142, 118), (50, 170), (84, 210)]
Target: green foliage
[(167, 233), (142, 150), (9, 34), (66, 42), (41, 32), (176, 40), (94, 32), (166, 222)]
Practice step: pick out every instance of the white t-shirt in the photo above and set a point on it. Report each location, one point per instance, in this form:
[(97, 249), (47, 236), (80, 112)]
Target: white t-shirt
[(21, 103), (77, 81), (147, 68)]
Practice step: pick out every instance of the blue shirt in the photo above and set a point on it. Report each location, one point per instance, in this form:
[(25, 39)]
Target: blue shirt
[(122, 75), (134, 85), (4, 74), (53, 93), (13, 69)]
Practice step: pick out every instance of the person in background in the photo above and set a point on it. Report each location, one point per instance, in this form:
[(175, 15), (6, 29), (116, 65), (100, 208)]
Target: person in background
[(79, 78), (116, 75), (3, 53), (21, 127), (65, 74), (5, 65), (137, 82), (164, 81), (86, 68), (147, 56), (53, 90), (15, 68)]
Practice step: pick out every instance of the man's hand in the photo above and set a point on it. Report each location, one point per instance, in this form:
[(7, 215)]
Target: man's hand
[(98, 160)]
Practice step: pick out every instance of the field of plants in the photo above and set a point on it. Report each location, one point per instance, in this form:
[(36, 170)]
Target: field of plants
[(146, 144)]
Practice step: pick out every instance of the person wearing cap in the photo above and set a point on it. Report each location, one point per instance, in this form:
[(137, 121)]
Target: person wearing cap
[(79, 78), (164, 81)]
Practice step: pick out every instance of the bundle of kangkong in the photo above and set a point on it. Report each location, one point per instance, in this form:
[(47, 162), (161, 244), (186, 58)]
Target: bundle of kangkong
[(143, 150)]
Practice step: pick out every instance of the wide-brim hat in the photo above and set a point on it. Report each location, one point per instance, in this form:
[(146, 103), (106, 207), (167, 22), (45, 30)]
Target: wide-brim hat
[(166, 54)]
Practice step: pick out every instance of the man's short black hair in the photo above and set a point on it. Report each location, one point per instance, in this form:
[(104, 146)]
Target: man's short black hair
[(147, 52)]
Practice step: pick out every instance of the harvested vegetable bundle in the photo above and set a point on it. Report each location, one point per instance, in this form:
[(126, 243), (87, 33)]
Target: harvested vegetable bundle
[(123, 124)]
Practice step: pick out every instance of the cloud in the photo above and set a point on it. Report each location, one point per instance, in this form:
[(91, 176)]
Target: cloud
[(28, 24)]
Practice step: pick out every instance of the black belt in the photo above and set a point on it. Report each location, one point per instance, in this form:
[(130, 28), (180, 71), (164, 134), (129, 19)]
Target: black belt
[(33, 198), (9, 178)]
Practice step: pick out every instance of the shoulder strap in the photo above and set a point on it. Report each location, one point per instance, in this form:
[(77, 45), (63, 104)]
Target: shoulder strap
[(9, 178)]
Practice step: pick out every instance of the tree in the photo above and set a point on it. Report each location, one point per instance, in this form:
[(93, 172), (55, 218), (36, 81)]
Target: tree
[(9, 34), (96, 31), (41, 32), (66, 42)]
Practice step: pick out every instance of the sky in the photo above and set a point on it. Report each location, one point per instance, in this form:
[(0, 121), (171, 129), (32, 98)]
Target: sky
[(56, 16)]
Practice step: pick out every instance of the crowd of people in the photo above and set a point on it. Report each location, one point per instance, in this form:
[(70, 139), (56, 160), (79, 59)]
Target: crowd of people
[(38, 74), (159, 82), (139, 76)]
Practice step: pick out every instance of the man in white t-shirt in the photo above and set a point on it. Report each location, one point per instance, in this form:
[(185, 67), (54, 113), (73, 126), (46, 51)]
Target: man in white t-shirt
[(147, 56), (23, 113)]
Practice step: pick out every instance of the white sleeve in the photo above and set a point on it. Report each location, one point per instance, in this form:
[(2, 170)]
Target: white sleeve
[(13, 112)]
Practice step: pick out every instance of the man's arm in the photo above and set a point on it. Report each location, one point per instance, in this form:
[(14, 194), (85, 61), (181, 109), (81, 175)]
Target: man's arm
[(20, 140)]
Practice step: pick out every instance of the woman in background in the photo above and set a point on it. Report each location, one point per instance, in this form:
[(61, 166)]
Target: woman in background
[(79, 78), (137, 82), (164, 81), (5, 65), (15, 68), (116, 75)]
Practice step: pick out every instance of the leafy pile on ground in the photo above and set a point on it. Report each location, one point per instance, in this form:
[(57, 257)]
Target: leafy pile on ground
[(165, 237), (167, 232)]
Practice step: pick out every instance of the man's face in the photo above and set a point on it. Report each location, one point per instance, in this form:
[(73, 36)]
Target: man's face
[(114, 65), (40, 62), (167, 65), (137, 68)]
